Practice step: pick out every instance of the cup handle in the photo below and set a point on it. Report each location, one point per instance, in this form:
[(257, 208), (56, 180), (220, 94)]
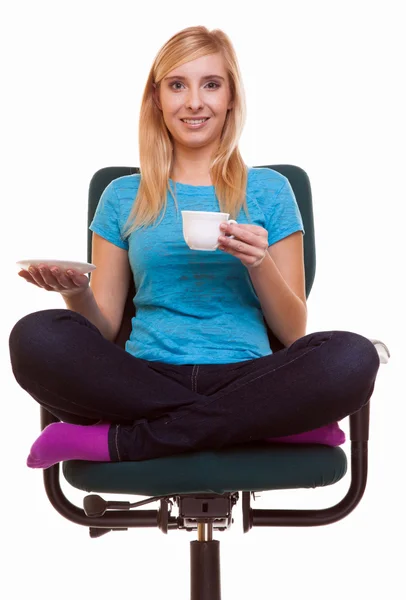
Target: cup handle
[(232, 221)]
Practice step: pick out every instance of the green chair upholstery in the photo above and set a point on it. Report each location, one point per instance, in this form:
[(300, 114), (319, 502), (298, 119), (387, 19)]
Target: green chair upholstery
[(206, 485)]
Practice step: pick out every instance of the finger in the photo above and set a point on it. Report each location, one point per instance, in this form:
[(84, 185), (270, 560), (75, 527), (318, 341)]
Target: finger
[(246, 232), (256, 229), (33, 276), (36, 275), (62, 279), (47, 276), (248, 260), (238, 247), (25, 275), (250, 240), (78, 278)]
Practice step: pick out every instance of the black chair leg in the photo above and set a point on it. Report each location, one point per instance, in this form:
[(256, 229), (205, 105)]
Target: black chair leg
[(205, 566)]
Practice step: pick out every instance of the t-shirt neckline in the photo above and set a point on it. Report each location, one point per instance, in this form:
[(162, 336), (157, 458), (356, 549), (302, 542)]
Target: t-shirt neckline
[(189, 186)]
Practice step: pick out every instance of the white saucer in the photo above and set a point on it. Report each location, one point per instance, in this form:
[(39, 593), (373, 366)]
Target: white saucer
[(80, 267)]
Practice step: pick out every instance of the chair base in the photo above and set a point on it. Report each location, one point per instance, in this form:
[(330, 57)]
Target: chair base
[(205, 570)]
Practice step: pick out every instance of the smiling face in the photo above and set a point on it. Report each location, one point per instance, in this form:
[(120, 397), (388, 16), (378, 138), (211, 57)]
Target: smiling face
[(198, 89)]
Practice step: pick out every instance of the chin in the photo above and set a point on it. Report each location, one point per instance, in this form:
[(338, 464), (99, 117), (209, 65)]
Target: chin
[(195, 143)]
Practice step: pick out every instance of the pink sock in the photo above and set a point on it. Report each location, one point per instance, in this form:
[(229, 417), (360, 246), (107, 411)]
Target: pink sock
[(64, 441)]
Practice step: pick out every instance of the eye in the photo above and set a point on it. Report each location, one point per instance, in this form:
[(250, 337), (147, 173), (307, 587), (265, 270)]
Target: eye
[(217, 85), (175, 83)]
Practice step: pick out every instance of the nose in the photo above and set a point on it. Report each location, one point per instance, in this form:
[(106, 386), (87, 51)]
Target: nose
[(194, 100)]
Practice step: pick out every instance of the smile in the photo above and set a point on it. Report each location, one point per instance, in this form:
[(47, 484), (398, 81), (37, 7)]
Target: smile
[(195, 123)]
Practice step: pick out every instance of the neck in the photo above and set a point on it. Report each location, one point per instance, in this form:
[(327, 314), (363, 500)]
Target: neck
[(192, 166)]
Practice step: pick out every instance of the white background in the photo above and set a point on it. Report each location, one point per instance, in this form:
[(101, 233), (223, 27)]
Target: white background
[(323, 84)]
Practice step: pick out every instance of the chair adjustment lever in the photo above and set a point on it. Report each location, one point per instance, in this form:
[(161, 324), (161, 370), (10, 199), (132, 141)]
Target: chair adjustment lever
[(96, 506)]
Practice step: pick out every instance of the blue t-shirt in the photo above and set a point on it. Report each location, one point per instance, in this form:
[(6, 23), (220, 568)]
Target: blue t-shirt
[(195, 307)]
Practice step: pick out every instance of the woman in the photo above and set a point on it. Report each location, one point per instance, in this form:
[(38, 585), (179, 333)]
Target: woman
[(198, 371)]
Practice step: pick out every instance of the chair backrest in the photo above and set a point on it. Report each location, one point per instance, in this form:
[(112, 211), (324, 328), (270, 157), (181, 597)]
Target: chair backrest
[(300, 183)]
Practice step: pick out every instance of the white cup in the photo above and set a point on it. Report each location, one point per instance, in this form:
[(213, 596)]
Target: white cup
[(201, 229)]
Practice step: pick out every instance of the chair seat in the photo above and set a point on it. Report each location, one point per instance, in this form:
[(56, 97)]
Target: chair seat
[(258, 466)]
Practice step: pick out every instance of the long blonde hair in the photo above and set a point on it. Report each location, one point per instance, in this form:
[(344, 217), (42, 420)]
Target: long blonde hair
[(228, 171)]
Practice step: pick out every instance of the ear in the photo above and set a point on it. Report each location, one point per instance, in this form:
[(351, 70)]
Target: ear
[(230, 105), (155, 96)]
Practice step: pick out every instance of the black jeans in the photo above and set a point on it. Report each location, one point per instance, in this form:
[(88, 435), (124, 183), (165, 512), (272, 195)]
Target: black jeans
[(158, 409)]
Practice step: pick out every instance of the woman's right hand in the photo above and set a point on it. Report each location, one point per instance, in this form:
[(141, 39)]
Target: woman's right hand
[(53, 279)]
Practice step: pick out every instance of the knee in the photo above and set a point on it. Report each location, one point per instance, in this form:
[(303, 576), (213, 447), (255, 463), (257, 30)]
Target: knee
[(30, 337), (357, 354), (32, 325)]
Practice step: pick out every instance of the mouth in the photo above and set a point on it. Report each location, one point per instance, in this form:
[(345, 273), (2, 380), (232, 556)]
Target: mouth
[(195, 123)]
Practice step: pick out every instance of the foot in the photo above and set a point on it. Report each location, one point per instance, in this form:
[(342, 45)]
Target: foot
[(65, 441)]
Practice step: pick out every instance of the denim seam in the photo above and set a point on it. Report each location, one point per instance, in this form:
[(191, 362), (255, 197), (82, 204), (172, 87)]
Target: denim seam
[(255, 378), (276, 368), (116, 441), (196, 375), (195, 371), (191, 377)]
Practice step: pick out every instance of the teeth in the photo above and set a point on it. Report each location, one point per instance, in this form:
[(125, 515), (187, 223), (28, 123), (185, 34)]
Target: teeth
[(194, 121)]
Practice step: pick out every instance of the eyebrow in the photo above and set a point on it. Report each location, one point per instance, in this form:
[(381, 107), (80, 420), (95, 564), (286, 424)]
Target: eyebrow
[(205, 77)]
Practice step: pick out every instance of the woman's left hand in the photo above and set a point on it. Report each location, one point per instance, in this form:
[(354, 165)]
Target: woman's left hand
[(250, 243)]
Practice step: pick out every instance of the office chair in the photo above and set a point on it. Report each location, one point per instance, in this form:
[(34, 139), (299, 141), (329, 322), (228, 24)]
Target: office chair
[(205, 486)]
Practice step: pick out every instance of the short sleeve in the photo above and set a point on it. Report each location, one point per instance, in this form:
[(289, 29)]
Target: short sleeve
[(106, 222), (285, 217)]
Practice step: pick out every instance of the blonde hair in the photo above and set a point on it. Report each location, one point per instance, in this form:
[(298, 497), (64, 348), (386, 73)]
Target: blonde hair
[(228, 171)]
